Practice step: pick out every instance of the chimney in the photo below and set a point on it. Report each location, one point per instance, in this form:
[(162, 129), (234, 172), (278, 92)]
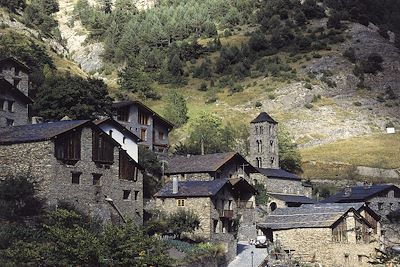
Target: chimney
[(175, 187), (347, 191)]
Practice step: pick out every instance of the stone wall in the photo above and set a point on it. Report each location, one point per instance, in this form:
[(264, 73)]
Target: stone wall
[(15, 76), (55, 178), (282, 186), (269, 144), (19, 113), (315, 244)]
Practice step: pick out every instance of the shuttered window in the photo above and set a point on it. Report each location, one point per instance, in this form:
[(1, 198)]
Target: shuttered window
[(68, 147), (128, 168), (103, 149)]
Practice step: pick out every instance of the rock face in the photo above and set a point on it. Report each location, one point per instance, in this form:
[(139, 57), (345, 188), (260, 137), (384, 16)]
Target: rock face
[(86, 55)]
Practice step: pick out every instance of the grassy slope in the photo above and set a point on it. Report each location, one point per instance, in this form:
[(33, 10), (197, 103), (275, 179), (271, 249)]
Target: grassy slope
[(337, 160)]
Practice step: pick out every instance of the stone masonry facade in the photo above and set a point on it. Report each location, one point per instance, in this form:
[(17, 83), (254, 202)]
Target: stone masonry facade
[(55, 179), (264, 151), (317, 245)]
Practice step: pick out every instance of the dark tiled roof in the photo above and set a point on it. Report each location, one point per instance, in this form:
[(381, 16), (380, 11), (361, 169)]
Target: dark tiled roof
[(203, 163), (15, 61), (278, 174), (263, 117), (360, 193), (121, 104), (37, 132), (193, 188), (119, 126), (5, 84), (293, 198), (308, 216)]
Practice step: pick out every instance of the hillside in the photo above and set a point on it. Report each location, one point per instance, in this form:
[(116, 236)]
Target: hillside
[(315, 89)]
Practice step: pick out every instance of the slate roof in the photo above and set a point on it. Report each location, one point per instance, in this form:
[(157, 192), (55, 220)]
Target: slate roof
[(119, 126), (121, 104), (263, 117), (14, 90), (193, 188), (293, 198), (37, 132), (360, 193), (203, 163), (15, 61), (308, 216), (278, 174)]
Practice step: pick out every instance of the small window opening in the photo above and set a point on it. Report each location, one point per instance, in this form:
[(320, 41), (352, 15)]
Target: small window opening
[(76, 177), (126, 195), (96, 179)]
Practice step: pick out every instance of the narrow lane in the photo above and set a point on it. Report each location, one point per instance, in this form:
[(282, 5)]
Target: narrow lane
[(244, 257)]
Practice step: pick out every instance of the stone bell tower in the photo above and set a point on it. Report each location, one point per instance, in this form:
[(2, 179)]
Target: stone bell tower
[(264, 152)]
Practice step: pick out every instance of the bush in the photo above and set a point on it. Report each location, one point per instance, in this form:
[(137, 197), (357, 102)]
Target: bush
[(18, 197), (372, 65), (258, 104), (308, 86), (357, 104), (334, 21), (203, 87), (236, 88), (308, 105), (350, 54), (183, 221)]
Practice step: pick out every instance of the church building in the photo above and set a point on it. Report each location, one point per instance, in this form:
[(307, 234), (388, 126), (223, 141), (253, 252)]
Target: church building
[(282, 186)]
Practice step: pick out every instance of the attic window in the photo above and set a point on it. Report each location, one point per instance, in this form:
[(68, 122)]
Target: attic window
[(68, 148), (123, 114), (103, 149), (11, 106)]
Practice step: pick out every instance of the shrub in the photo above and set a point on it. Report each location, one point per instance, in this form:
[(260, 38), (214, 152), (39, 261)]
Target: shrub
[(271, 96), (183, 221), (350, 54), (236, 88), (308, 86), (315, 98), (258, 104), (309, 105), (357, 104)]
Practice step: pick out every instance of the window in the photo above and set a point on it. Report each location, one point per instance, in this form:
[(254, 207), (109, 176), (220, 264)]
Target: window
[(256, 130), (126, 195), (11, 106), (180, 202), (380, 206), (259, 146), (215, 226), (9, 122), (96, 178), (346, 257), (259, 162), (69, 147), (272, 160), (76, 177), (161, 135), (339, 232), (143, 118), (123, 139), (360, 258), (103, 149), (261, 130), (128, 168), (143, 134), (136, 195), (2, 101), (110, 132), (123, 114), (16, 81)]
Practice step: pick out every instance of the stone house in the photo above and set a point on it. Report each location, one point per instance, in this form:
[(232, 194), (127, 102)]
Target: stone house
[(331, 234), (264, 154), (149, 126), (75, 162), (283, 200), (381, 198), (14, 89), (208, 167), (216, 202)]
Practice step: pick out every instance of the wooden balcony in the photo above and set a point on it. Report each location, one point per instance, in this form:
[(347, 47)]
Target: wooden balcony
[(246, 204), (225, 213)]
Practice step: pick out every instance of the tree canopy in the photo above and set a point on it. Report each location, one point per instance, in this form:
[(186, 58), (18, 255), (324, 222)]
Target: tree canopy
[(72, 96), (175, 109)]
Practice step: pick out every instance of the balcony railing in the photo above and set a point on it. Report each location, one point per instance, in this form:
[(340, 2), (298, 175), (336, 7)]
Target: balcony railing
[(225, 213), (246, 205)]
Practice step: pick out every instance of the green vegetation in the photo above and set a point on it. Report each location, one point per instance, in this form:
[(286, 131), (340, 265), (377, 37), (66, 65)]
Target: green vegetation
[(261, 197), (66, 237), (175, 109), (17, 198), (183, 221), (289, 155), (72, 96)]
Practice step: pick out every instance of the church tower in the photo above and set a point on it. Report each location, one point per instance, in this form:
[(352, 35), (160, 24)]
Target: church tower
[(264, 142)]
